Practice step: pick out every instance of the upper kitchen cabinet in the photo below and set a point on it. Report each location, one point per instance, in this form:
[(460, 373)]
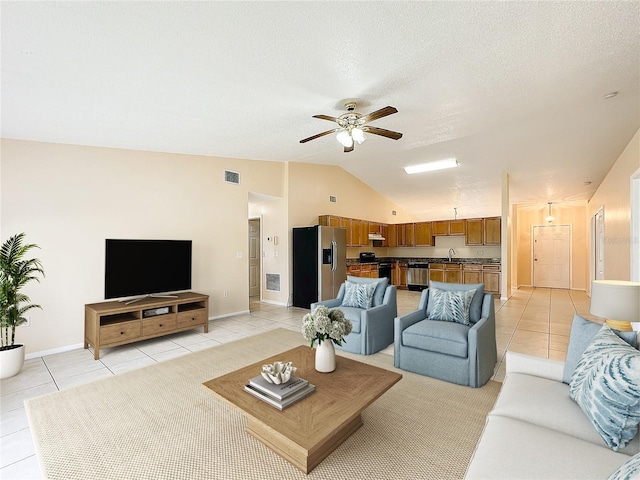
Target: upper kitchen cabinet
[(475, 231), (457, 227), (405, 235), (448, 227), (492, 232), (483, 231), (440, 227), (423, 234)]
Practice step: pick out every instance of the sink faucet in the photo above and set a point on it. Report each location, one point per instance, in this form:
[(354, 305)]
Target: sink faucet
[(452, 252)]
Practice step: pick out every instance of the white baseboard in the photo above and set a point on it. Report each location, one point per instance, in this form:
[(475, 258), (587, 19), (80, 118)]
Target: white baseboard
[(274, 302), (53, 351), (232, 314)]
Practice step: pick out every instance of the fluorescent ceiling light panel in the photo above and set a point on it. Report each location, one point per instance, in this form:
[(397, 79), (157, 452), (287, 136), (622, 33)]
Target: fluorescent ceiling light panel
[(431, 166)]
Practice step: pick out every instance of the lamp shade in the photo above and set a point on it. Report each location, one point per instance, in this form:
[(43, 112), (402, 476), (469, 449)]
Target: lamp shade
[(615, 300)]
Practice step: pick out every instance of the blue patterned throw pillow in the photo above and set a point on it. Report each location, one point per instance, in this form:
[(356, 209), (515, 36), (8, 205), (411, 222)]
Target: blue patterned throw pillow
[(451, 305), (606, 386), (628, 470), (359, 295)]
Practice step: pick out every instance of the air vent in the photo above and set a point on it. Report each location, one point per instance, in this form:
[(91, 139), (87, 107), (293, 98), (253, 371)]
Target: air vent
[(232, 177), (273, 282), (332, 199)]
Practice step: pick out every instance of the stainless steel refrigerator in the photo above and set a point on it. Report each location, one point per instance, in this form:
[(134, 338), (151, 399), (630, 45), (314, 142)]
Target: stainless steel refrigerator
[(319, 263)]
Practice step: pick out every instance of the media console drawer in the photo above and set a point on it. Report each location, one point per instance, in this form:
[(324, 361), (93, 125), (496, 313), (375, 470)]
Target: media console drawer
[(114, 323), (159, 324), (120, 332), (192, 318)]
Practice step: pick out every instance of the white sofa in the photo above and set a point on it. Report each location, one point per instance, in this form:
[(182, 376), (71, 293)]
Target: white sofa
[(536, 431)]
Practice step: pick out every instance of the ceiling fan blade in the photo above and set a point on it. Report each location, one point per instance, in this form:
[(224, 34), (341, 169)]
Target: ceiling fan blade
[(326, 117), (348, 149), (320, 135), (383, 112), (383, 132)]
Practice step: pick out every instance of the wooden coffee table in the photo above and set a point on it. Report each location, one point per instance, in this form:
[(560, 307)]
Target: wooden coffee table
[(306, 432)]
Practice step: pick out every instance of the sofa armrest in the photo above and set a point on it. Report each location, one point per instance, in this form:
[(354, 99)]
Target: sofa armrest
[(536, 366), (333, 303)]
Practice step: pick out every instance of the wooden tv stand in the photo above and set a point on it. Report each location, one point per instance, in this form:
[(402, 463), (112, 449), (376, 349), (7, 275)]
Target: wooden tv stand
[(109, 324)]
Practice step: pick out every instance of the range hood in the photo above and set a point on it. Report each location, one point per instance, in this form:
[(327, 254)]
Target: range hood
[(376, 236)]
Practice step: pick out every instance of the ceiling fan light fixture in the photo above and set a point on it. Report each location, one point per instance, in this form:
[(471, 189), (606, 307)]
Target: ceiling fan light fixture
[(431, 166), (358, 135), (344, 138)]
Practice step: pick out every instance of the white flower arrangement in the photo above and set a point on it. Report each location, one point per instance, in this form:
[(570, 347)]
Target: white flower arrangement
[(324, 324)]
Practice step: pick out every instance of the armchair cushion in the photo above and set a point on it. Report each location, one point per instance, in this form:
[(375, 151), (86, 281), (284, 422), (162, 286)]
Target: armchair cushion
[(451, 306), (380, 283), (358, 295), (448, 338), (475, 308)]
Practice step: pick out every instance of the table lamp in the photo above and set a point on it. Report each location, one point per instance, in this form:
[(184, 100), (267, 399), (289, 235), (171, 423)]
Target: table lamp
[(617, 301)]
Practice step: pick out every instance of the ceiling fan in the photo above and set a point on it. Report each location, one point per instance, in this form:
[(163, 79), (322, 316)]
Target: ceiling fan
[(353, 126)]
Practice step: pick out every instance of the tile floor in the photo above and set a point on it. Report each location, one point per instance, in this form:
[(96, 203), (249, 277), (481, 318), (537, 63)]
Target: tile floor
[(534, 321)]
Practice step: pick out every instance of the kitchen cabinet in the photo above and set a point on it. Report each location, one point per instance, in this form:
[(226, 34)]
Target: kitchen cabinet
[(367, 270), (359, 233), (491, 278), (457, 227), (474, 234), (399, 275), (353, 270), (405, 235), (440, 228), (472, 273), (448, 227), (445, 272), (492, 231), (423, 235), (384, 230)]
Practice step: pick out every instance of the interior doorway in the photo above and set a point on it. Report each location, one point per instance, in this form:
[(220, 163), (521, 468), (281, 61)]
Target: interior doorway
[(597, 242), (254, 258), (551, 256), (635, 226)]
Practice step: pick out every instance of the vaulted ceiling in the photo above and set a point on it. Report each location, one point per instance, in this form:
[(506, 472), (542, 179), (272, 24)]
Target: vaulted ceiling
[(503, 87)]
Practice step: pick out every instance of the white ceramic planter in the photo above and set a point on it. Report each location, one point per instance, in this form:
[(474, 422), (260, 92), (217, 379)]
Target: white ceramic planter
[(11, 361), (325, 357)]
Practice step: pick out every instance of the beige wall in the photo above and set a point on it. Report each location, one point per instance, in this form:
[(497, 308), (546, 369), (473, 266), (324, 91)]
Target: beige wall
[(68, 199), (614, 194), (310, 186), (574, 215)]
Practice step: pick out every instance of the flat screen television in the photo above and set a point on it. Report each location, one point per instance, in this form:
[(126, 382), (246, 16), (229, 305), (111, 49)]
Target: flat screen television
[(146, 267)]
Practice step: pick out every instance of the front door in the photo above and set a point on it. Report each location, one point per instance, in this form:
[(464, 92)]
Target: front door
[(552, 256)]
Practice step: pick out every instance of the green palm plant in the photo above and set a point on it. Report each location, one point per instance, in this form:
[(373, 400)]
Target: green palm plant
[(15, 272)]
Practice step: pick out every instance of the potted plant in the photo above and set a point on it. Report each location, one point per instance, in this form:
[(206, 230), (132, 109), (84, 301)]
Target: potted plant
[(15, 272)]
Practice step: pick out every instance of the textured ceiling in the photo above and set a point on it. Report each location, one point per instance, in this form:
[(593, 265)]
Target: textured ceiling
[(504, 87)]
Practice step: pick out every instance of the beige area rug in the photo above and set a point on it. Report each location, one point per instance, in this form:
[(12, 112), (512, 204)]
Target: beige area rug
[(160, 422)]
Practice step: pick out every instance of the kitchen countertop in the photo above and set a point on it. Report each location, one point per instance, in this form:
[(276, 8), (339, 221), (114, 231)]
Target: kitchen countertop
[(476, 261)]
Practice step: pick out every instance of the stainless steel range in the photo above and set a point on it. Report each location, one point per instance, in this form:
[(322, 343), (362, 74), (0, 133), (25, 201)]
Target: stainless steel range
[(417, 276)]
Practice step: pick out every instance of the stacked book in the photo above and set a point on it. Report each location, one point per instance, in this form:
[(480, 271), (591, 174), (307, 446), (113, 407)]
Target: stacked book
[(279, 396)]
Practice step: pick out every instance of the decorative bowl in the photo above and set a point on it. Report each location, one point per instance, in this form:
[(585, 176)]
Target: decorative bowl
[(278, 372)]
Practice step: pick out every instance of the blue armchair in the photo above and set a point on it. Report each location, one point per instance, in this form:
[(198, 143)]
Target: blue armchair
[(449, 350), (372, 327)]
